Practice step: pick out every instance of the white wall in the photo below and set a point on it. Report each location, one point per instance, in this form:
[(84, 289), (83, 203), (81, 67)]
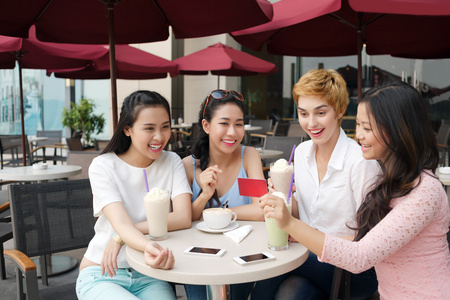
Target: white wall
[(163, 86), (197, 87)]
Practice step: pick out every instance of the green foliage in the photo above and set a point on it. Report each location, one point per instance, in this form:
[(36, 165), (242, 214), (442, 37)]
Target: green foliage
[(253, 97), (81, 118)]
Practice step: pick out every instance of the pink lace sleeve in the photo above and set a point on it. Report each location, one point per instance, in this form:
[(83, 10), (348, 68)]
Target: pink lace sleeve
[(409, 216)]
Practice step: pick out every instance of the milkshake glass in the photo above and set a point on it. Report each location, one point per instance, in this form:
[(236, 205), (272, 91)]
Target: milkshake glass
[(157, 206), (280, 174), (277, 239)]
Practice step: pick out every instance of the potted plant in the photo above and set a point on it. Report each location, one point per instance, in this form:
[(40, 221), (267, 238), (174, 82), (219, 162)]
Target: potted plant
[(252, 98), (80, 118)]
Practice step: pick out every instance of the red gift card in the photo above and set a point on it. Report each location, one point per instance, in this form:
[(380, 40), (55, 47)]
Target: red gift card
[(252, 187)]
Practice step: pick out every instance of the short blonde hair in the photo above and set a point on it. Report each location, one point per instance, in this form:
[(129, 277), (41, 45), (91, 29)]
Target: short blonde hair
[(324, 83)]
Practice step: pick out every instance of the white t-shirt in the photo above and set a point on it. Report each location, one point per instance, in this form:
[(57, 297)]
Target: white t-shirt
[(113, 180), (332, 204)]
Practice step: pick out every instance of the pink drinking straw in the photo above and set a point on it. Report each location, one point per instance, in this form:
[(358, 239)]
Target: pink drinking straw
[(292, 154), (290, 188), (146, 182)]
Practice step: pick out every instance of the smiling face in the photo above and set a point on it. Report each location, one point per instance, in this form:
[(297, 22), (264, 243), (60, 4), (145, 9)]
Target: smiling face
[(149, 135), (368, 136), (226, 128), (318, 119)]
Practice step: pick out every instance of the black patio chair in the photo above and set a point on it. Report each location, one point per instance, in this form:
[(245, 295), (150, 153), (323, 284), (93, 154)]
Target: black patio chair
[(83, 159), (296, 130), (53, 144), (5, 235), (6, 232), (47, 218), (442, 139), (341, 281), (9, 150)]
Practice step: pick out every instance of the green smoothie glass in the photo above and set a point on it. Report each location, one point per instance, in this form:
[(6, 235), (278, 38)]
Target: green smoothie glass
[(277, 239)]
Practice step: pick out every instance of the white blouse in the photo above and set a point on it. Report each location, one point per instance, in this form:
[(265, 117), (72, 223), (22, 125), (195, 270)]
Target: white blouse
[(113, 180), (332, 204)]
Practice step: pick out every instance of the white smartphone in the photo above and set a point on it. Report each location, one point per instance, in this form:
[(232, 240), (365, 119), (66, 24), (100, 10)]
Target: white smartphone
[(205, 251), (254, 258)]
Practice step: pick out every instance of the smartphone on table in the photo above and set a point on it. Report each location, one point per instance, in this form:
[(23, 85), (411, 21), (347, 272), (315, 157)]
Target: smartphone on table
[(205, 251), (253, 258)]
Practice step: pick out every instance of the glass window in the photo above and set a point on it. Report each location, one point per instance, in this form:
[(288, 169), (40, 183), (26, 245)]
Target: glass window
[(272, 94)]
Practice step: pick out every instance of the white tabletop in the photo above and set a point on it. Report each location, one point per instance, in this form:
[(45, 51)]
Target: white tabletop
[(267, 153), (181, 126), (37, 138), (248, 129), (195, 269), (28, 173), (252, 128)]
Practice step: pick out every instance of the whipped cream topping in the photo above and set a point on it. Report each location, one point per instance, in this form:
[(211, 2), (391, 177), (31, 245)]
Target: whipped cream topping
[(157, 194), (282, 165)]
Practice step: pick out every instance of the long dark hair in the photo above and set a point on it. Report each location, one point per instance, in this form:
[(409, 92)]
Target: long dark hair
[(401, 118), (201, 148), (131, 107)]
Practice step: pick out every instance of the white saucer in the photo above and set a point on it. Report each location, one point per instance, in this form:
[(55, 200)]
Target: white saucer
[(202, 226)]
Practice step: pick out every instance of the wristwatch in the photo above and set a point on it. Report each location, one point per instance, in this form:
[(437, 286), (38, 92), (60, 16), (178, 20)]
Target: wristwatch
[(117, 238)]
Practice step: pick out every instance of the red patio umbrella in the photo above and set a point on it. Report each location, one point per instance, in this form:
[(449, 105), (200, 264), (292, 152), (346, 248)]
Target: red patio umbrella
[(128, 21), (132, 63), (221, 59), (405, 28), (33, 54)]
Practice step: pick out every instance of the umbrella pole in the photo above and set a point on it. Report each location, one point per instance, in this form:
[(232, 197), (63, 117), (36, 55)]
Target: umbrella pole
[(218, 81), (359, 51), (22, 111), (112, 63)]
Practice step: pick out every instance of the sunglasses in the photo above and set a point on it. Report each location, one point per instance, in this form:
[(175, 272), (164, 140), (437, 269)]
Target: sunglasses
[(221, 94)]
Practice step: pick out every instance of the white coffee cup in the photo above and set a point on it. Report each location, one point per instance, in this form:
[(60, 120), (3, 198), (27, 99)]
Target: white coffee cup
[(218, 218)]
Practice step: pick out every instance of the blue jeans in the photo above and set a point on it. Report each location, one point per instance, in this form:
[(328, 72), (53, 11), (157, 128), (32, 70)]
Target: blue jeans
[(238, 291), (313, 280), (127, 284)]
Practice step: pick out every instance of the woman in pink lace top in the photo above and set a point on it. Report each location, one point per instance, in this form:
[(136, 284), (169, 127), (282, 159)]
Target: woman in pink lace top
[(402, 223)]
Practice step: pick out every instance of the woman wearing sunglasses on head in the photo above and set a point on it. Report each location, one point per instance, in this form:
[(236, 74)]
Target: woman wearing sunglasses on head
[(217, 162)]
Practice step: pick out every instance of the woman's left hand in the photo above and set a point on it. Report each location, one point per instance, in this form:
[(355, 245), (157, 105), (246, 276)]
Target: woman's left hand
[(274, 207), (158, 257), (109, 259)]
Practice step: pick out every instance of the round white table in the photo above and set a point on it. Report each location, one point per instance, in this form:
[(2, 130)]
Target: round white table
[(34, 139), (249, 129), (181, 126), (252, 128), (37, 138), (218, 272), (29, 173), (267, 153)]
